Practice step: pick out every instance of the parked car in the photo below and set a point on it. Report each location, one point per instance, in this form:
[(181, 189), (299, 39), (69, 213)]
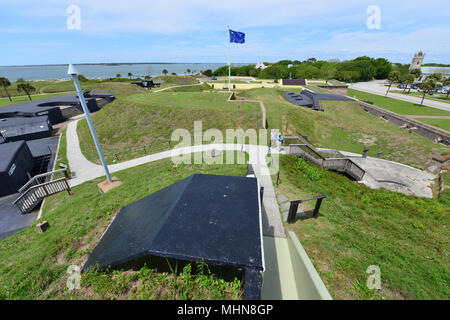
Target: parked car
[(442, 90), (401, 86), (415, 86)]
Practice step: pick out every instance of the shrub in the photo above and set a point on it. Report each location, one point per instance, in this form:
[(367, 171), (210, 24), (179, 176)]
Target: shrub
[(308, 170)]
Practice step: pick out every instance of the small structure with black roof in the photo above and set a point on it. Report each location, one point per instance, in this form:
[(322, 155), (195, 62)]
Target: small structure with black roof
[(16, 166), (25, 128), (293, 82), (203, 218)]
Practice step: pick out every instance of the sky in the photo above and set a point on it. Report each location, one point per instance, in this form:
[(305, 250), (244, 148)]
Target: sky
[(49, 31)]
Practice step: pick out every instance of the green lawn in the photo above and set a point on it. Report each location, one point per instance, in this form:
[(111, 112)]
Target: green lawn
[(346, 126), (169, 81), (6, 102), (440, 123), (34, 266), (406, 236), (437, 97), (397, 106), (62, 152), (149, 119)]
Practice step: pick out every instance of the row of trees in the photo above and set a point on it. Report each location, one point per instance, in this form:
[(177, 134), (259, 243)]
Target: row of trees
[(428, 86), (22, 86), (359, 69)]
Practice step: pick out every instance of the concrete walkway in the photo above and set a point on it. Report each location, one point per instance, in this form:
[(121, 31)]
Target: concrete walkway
[(376, 87), (83, 170)]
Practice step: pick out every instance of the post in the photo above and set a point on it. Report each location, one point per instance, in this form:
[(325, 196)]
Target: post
[(365, 152), (73, 72), (317, 207), (292, 212), (229, 62)]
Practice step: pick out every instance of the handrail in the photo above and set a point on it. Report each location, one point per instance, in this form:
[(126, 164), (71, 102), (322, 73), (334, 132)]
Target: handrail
[(42, 175), (309, 149), (40, 186)]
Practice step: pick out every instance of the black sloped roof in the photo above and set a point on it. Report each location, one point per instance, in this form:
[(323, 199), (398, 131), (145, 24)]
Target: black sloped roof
[(8, 152), (210, 218)]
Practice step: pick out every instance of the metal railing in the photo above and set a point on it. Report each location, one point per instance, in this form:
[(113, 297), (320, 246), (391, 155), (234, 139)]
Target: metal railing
[(345, 165), (294, 207), (35, 194), (42, 178)]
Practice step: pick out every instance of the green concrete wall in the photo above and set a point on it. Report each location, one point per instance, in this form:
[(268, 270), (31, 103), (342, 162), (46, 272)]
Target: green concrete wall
[(309, 284)]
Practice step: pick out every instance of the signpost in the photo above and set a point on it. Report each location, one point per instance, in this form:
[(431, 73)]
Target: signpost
[(74, 73)]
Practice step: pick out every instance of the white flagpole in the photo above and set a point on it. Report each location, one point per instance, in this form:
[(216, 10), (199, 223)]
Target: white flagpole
[(229, 62)]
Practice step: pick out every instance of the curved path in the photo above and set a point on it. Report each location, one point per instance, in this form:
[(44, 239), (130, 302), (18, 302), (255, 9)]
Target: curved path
[(84, 170)]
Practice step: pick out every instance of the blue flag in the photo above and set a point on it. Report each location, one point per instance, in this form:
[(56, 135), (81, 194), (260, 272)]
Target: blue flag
[(237, 37)]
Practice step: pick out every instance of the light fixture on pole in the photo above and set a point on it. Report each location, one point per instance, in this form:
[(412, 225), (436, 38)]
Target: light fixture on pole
[(74, 74)]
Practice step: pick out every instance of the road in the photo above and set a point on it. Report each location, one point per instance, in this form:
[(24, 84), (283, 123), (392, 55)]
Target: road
[(377, 87)]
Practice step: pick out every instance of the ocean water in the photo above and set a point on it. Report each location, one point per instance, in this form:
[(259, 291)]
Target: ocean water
[(52, 72)]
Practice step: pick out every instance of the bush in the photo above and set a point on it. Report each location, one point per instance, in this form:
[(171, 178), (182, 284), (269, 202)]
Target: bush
[(308, 170), (82, 78)]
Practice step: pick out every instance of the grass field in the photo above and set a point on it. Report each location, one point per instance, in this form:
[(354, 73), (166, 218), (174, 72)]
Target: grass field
[(148, 119), (34, 266), (437, 97), (406, 236), (21, 99), (440, 123), (62, 152), (353, 132), (397, 106)]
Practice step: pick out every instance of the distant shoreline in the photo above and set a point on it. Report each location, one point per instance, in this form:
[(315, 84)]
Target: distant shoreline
[(112, 64)]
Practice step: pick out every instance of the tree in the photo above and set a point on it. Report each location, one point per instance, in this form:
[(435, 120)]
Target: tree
[(328, 71), (408, 81), (130, 75), (165, 72), (118, 76), (4, 82), (147, 78), (446, 83), (436, 76), (207, 72), (82, 78), (383, 67), (26, 88), (416, 73), (393, 76), (188, 70), (427, 87)]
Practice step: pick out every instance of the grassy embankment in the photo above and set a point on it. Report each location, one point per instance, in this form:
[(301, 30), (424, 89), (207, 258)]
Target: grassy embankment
[(406, 236), (34, 266), (405, 108), (147, 120), (346, 126), (62, 152)]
